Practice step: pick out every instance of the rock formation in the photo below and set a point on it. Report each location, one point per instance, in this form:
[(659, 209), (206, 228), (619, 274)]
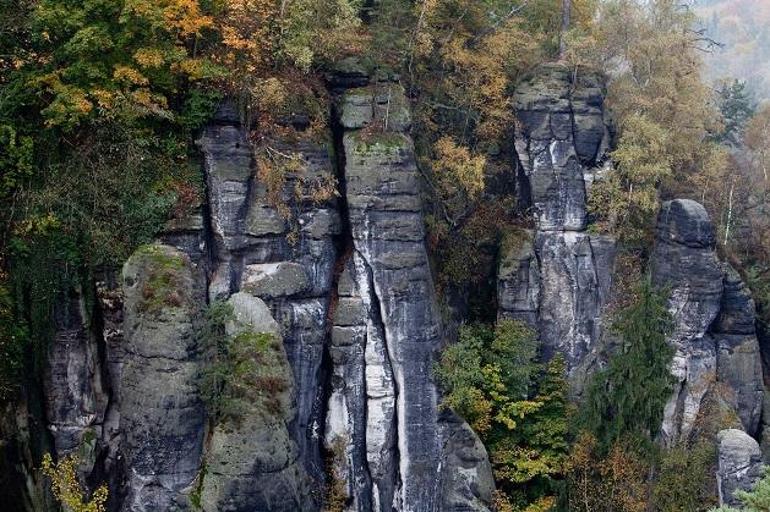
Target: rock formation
[(559, 279), (384, 402), (739, 464), (342, 281), (713, 314), (252, 462), (318, 238), (162, 417)]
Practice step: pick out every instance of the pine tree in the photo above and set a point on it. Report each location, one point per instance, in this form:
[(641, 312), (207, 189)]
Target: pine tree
[(736, 106), (628, 396)]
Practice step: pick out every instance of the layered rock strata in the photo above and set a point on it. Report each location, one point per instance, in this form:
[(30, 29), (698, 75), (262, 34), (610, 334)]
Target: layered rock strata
[(716, 348), (557, 278), (384, 354)]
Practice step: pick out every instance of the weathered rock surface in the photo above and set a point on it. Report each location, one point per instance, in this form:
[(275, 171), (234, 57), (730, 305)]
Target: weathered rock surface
[(740, 464), (574, 271), (739, 363), (713, 332), (347, 286), (162, 417), (467, 483), (558, 278), (378, 167), (280, 249), (76, 399), (518, 280), (387, 330), (561, 133), (361, 415), (252, 462)]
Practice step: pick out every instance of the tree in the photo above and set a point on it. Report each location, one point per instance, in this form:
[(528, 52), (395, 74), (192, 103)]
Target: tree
[(655, 92), (600, 480), (736, 107), (517, 406), (758, 141), (627, 201), (627, 397), (566, 12)]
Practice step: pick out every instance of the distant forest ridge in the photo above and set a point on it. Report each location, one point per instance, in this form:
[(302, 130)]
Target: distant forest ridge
[(742, 26)]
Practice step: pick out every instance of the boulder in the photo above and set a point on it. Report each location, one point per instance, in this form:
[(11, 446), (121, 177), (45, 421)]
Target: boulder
[(252, 462), (739, 464)]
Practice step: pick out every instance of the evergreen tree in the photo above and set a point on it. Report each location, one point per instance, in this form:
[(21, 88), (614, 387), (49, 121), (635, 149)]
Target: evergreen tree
[(756, 500), (737, 107), (627, 397)]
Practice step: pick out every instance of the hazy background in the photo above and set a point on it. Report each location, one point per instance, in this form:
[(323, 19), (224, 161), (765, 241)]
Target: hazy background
[(743, 26)]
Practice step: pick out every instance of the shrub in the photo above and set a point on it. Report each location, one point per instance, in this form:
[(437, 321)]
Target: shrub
[(67, 489), (243, 371), (517, 406)]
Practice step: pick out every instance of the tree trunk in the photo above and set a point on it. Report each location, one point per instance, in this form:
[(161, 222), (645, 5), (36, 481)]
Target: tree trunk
[(566, 13)]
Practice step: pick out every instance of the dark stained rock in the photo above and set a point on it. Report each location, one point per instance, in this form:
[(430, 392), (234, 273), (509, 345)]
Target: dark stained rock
[(518, 280), (738, 354), (76, 398), (282, 250)]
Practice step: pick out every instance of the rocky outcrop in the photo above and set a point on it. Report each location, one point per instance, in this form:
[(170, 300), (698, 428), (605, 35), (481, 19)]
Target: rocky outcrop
[(162, 416), (384, 358), (467, 483), (713, 333), (739, 363), (275, 239), (558, 278), (739, 465), (252, 462), (76, 399), (561, 134)]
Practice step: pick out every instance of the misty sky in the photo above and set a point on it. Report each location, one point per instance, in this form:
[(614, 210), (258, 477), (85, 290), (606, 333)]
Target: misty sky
[(743, 27)]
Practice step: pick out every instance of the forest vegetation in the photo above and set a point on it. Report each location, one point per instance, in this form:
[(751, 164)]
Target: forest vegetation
[(101, 102)]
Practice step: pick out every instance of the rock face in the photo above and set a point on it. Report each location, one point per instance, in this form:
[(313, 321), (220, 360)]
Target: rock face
[(557, 278), (162, 417), (279, 245), (318, 239), (342, 283), (561, 134), (740, 465), (252, 462), (713, 313), (76, 400), (387, 327)]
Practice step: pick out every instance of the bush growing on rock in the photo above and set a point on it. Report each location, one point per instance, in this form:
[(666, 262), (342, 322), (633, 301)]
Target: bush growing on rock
[(242, 371), (67, 489), (756, 500)]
